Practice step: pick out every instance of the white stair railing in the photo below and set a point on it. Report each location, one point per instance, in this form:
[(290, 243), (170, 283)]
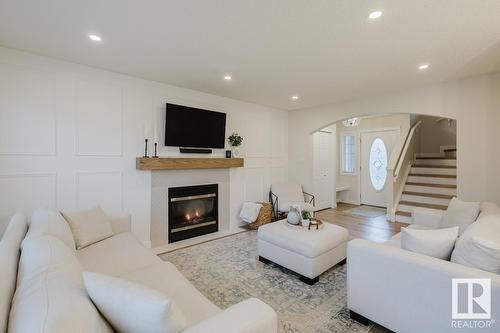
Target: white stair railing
[(399, 167)]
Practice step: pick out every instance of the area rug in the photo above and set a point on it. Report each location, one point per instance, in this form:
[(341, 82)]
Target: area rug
[(227, 271), (366, 211)]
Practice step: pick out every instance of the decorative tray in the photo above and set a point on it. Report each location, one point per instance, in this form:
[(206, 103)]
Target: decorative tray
[(313, 225)]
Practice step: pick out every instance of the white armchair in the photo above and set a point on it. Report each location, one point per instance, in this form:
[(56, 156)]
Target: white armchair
[(284, 195)]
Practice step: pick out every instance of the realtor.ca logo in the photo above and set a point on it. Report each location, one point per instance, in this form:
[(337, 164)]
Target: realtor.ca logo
[(471, 303)]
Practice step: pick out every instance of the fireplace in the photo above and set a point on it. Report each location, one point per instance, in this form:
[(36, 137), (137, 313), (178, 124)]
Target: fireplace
[(192, 211)]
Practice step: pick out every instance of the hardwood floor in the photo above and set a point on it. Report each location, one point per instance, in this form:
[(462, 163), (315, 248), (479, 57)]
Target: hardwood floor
[(376, 229)]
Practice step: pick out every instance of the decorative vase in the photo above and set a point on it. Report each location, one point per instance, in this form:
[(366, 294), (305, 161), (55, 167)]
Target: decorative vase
[(305, 223), (236, 152), (294, 216)]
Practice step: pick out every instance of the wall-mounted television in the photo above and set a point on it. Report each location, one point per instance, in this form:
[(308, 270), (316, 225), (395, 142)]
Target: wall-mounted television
[(194, 128)]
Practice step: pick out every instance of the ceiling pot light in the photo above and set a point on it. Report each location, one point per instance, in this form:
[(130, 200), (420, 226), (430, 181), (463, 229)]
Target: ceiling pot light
[(228, 77), (295, 97), (423, 67), (375, 15), (95, 38)]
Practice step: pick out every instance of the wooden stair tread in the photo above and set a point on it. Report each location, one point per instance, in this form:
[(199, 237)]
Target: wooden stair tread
[(401, 213), (436, 158), (431, 175), (424, 205), (429, 195), (434, 166), (450, 149), (431, 185)]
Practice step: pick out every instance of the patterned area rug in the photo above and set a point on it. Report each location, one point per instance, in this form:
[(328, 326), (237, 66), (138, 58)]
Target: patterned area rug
[(227, 271), (366, 211)]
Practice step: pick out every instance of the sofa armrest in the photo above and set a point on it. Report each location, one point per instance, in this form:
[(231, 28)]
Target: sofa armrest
[(405, 291), (427, 217), (120, 223), (249, 316)]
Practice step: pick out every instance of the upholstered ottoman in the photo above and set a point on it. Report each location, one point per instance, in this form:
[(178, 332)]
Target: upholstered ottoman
[(307, 252)]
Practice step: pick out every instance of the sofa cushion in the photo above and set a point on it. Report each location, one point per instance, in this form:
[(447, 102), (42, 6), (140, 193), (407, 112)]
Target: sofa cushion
[(116, 255), (436, 243), (166, 278), (50, 295), (47, 222), (479, 245), (89, 226), (395, 240), (132, 307), (461, 214), (489, 208), (9, 258)]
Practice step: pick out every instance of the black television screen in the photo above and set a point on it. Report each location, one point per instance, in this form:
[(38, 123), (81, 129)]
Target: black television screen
[(195, 128)]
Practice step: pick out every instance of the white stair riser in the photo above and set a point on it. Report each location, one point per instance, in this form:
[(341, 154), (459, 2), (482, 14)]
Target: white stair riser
[(432, 180), (426, 200), (433, 171), (436, 162), (429, 155), (405, 208), (403, 219), (429, 189)]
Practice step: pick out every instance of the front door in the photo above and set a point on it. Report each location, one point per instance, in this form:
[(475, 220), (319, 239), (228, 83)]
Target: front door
[(376, 148)]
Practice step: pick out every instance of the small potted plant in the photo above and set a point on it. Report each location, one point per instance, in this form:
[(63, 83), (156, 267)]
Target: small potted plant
[(235, 140), (306, 218)]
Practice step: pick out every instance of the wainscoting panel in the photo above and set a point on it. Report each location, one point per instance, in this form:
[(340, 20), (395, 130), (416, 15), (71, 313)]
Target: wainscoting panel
[(103, 188), (99, 119), (26, 192), (27, 112)]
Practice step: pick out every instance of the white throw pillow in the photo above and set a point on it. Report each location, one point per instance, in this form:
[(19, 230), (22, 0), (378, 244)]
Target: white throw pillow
[(47, 222), (460, 214), (479, 245), (130, 307), (89, 227), (436, 243), (250, 211)]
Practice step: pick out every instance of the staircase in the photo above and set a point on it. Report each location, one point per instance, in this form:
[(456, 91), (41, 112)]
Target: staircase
[(431, 183)]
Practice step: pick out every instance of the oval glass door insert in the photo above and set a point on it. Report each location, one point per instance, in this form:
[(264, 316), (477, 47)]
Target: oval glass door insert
[(378, 164)]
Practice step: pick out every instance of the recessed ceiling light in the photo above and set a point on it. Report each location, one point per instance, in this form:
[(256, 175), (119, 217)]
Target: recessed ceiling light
[(295, 97), (95, 38), (228, 77), (375, 15), (423, 67)]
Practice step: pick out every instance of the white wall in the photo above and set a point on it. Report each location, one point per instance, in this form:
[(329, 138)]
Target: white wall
[(69, 136), (399, 121), (473, 102), (433, 134)]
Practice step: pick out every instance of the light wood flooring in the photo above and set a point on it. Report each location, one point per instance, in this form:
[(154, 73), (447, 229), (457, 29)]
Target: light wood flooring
[(376, 229)]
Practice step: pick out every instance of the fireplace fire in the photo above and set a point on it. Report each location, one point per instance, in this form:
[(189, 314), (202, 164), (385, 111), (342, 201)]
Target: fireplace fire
[(192, 211)]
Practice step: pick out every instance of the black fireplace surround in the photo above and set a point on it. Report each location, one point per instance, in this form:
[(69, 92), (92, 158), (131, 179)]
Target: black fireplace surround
[(192, 211)]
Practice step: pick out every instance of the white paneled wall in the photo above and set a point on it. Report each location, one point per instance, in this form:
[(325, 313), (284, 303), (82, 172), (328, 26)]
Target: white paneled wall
[(69, 136)]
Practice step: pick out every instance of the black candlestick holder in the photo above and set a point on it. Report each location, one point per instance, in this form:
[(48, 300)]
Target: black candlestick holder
[(146, 149), (156, 153)]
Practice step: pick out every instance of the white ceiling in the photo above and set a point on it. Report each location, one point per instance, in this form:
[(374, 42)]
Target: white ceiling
[(322, 50)]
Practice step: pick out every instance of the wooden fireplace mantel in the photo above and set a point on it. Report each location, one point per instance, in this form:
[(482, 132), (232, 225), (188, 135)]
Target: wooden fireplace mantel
[(175, 163)]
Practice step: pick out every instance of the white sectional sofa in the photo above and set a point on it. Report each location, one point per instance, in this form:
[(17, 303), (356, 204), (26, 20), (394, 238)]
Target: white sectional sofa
[(411, 292), (50, 294)]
